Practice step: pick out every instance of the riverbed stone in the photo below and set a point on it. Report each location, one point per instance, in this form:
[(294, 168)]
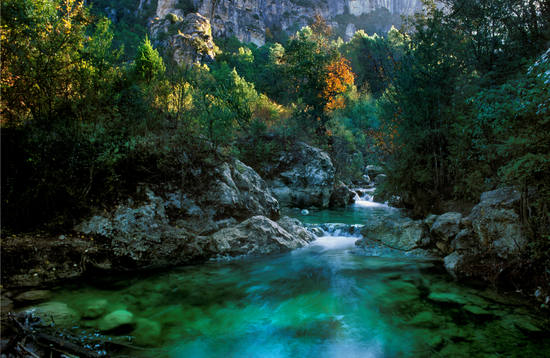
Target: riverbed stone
[(447, 298), (57, 313), (147, 332), (424, 319), (33, 296), (95, 308), (476, 310), (116, 320)]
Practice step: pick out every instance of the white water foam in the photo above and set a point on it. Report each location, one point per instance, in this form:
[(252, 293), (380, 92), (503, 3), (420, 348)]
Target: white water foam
[(367, 200), (335, 242)]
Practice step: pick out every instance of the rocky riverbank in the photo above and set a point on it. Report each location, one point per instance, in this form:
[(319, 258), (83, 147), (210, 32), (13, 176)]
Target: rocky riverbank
[(487, 246), (162, 225)]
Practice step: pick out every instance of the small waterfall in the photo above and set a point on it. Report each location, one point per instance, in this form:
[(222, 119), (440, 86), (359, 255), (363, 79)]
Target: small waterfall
[(365, 198)]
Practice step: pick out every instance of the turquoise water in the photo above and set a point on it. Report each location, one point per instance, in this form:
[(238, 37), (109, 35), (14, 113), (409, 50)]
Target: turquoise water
[(329, 299)]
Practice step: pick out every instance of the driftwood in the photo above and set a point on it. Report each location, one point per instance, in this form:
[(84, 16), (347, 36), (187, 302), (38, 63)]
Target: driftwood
[(29, 329), (50, 343)]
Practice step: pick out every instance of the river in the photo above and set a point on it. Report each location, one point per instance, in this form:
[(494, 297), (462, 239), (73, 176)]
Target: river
[(329, 299)]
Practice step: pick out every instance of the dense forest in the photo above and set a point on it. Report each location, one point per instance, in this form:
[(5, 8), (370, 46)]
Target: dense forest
[(454, 103)]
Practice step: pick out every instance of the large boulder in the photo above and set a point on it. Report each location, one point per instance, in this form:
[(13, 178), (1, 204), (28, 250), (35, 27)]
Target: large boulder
[(444, 230), (302, 177), (295, 228), (255, 236), (187, 39), (342, 196), (496, 223)]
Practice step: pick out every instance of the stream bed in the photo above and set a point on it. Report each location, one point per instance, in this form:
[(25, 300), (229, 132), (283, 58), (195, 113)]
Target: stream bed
[(330, 299)]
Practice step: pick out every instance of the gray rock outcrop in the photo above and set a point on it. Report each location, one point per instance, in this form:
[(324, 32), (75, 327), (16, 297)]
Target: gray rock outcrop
[(492, 230), (496, 222), (186, 40)]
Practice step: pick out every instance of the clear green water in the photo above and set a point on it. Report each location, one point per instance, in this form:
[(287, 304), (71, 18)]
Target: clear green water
[(327, 300)]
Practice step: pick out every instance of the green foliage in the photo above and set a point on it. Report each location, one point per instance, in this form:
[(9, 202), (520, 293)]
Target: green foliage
[(375, 59), (148, 63)]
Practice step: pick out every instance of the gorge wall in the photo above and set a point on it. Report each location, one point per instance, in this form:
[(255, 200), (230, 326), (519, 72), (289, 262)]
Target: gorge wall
[(256, 20)]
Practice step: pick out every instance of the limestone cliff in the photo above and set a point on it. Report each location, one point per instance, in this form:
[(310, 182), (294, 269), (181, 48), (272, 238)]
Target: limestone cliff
[(249, 20), (254, 20)]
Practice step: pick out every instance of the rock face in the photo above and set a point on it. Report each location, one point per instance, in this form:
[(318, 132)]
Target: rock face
[(249, 20), (303, 177), (187, 39)]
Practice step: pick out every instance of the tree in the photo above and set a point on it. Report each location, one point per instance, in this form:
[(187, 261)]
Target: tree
[(339, 79), (307, 58), (42, 42), (148, 63)]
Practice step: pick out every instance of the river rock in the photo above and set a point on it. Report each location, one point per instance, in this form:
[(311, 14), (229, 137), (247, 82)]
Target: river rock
[(476, 310), (95, 308), (33, 296), (447, 298), (257, 235), (147, 332), (302, 177), (425, 319), (452, 264), (400, 233), (496, 223), (373, 170), (166, 226), (446, 226), (341, 196), (295, 228), (379, 179), (57, 313), (116, 320)]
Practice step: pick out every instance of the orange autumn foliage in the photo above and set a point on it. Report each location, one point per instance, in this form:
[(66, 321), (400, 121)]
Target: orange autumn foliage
[(339, 78)]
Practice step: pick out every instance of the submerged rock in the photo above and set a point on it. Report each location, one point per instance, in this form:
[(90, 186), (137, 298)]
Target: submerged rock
[(447, 298), (95, 308), (33, 296), (116, 320), (57, 313), (147, 332)]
